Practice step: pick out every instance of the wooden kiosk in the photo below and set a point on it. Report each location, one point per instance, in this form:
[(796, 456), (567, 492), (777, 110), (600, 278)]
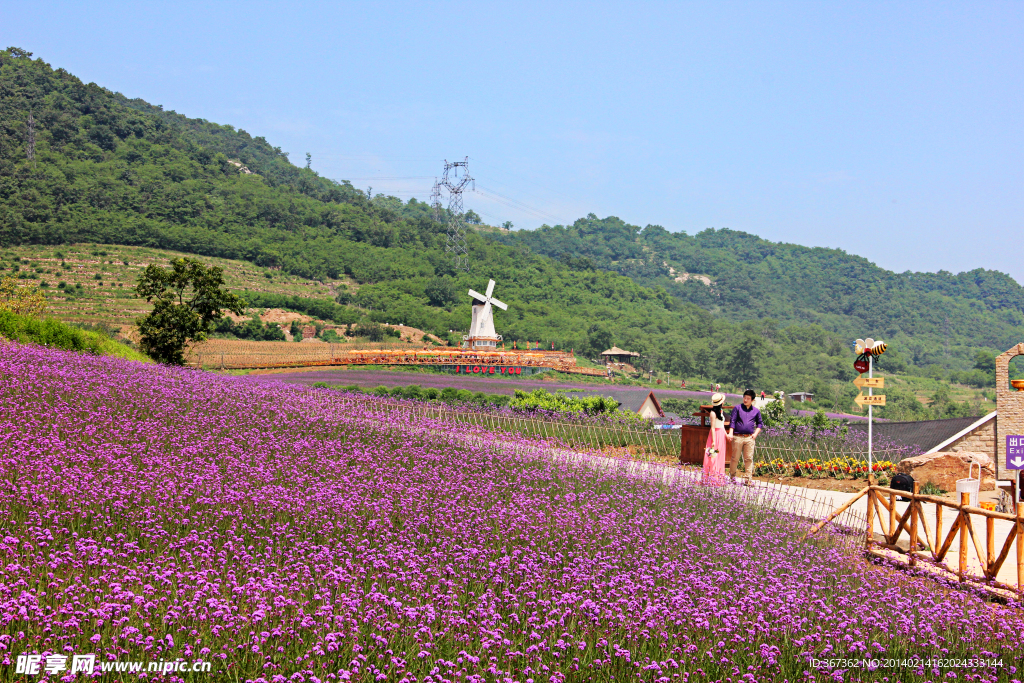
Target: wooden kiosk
[(693, 438)]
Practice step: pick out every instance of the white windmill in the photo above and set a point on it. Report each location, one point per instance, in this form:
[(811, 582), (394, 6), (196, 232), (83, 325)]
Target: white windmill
[(481, 332)]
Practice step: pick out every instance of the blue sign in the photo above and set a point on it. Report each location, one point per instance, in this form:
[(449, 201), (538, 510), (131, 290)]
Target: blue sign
[(1015, 452)]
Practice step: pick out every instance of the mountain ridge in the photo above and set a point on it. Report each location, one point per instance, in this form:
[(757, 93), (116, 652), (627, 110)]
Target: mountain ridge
[(109, 169), (751, 277)]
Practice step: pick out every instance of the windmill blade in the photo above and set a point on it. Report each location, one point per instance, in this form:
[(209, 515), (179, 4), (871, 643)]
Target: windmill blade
[(477, 295), (484, 314), (500, 305), (490, 288)]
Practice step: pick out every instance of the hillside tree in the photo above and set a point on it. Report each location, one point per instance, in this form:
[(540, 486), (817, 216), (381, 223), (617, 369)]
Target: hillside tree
[(187, 299), (22, 300)]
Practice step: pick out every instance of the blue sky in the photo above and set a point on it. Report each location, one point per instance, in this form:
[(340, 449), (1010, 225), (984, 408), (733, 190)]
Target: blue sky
[(890, 130)]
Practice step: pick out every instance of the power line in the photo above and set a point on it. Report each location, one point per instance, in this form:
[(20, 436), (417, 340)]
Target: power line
[(488, 194), (516, 204), (392, 177), (518, 178)]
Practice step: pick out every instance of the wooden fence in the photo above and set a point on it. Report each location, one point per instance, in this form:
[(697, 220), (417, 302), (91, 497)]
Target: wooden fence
[(636, 439), (907, 536)]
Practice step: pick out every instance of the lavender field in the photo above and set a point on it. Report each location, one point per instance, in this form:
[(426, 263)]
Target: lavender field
[(160, 514), (492, 384)]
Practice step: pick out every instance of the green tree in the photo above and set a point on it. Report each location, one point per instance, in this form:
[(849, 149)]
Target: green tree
[(599, 339), (775, 414), (743, 364), (441, 292), (985, 361), (902, 405), (186, 300)]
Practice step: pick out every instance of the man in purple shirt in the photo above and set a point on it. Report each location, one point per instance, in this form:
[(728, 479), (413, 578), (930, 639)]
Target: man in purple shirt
[(745, 424)]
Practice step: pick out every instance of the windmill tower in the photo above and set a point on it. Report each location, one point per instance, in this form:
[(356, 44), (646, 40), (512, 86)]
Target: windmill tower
[(481, 335)]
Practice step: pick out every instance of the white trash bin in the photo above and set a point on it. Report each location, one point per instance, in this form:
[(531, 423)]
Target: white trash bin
[(970, 485)]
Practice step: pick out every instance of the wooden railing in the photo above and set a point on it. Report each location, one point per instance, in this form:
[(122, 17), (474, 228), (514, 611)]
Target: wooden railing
[(909, 535)]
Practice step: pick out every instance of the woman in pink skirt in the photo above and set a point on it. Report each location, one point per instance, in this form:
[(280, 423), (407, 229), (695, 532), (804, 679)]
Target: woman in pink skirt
[(714, 463)]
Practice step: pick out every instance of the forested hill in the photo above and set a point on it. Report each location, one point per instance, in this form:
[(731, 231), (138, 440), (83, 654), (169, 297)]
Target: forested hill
[(82, 164), (933, 317)]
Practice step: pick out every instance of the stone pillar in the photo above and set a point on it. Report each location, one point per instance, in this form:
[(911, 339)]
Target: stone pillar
[(1010, 406)]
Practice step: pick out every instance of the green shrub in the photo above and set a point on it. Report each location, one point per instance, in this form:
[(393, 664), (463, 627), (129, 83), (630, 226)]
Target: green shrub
[(55, 334), (431, 394), (330, 336)]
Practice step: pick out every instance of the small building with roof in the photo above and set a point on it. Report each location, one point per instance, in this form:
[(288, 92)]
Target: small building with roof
[(643, 402), (617, 355)]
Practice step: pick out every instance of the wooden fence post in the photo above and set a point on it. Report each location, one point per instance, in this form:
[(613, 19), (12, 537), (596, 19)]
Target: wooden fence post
[(915, 506), (892, 517), (871, 518), (990, 548), (965, 500)]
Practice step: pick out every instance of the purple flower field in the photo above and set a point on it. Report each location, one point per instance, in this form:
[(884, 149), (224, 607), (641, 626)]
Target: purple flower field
[(492, 384), (154, 514)]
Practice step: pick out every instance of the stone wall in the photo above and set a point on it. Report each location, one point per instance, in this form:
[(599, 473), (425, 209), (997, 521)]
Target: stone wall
[(1010, 404), (981, 440)]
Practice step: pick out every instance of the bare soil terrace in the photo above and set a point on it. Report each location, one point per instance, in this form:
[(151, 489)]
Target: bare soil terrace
[(106, 275)]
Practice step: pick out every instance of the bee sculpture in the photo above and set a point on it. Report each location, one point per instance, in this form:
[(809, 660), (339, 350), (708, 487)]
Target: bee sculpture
[(870, 346), (867, 347)]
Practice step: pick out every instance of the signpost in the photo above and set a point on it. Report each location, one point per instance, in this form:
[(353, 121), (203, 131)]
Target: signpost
[(867, 349), (1014, 452)]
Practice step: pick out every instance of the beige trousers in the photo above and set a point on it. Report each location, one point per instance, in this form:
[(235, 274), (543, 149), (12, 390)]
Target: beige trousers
[(742, 443)]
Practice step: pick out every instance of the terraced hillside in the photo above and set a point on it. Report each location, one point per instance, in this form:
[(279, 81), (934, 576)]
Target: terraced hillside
[(93, 283)]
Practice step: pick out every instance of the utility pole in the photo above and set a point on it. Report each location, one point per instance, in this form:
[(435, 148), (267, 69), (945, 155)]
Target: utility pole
[(454, 180)]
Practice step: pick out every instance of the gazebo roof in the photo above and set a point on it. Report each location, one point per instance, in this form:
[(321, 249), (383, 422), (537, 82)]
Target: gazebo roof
[(616, 351)]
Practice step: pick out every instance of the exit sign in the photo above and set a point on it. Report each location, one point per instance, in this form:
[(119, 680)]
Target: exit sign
[(1015, 452)]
